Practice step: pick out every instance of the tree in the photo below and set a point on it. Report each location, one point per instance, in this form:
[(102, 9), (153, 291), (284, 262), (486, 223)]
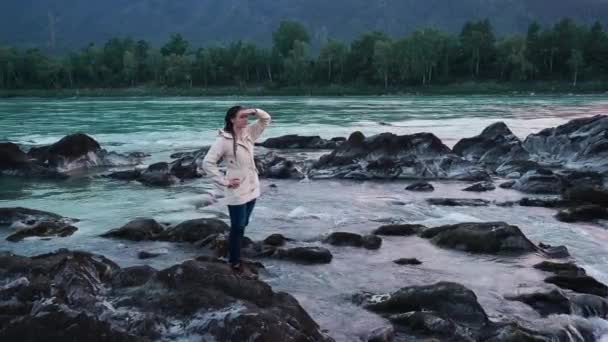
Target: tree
[(178, 70), (286, 36), (359, 61), (512, 58), (477, 39), (176, 45), (332, 57), (296, 64), (596, 49), (534, 53), (382, 59), (575, 62), (129, 67)]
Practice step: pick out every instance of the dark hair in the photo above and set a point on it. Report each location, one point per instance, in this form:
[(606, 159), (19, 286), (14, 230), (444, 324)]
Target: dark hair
[(229, 126)]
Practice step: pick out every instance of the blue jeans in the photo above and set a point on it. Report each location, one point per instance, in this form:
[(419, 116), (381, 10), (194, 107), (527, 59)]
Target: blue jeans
[(239, 219)]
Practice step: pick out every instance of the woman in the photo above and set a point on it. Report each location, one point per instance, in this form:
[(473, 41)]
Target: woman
[(235, 146)]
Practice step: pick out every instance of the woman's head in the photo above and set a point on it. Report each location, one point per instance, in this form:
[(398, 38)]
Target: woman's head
[(236, 118)]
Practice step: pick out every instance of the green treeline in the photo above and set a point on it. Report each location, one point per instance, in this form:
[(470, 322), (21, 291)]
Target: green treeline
[(567, 52)]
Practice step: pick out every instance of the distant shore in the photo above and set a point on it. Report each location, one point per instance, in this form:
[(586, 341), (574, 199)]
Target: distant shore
[(469, 88)]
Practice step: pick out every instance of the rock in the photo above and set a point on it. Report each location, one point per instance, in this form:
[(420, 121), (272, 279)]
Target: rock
[(480, 187), (556, 267), (158, 174), (549, 303), (588, 305), (14, 162), (77, 296), (543, 202), (43, 229), (371, 242), (579, 283), (13, 215), (407, 261), (584, 180), (586, 194), (194, 230), (78, 147), (457, 303), (540, 182), (353, 240), (148, 254), (399, 229), (294, 141), (516, 168), (276, 240), (587, 212), (420, 186), (129, 175), (271, 165), (388, 156), (485, 237), (494, 146), (184, 168), (137, 230), (579, 144), (381, 334), (507, 184), (305, 255), (458, 202), (556, 252), (133, 276)]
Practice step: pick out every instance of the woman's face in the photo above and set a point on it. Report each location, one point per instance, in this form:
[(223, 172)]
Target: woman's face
[(240, 120)]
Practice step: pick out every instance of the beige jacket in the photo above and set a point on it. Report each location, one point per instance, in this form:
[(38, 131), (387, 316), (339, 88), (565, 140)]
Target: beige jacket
[(241, 167)]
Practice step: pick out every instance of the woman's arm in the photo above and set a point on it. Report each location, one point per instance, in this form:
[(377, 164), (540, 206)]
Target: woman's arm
[(209, 164), (256, 129)]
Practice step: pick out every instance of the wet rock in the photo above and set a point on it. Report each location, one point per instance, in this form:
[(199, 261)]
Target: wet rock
[(557, 267), (517, 168), (556, 252), (71, 148), (184, 168), (507, 184), (543, 202), (128, 175), (480, 187), (540, 182), (399, 229), (158, 174), (458, 202), (548, 303), (485, 237), (579, 144), (43, 229), (153, 253), (194, 230), (407, 261), (80, 296), (388, 156), (305, 255), (133, 276), (272, 165), (25, 216), (579, 283), (294, 141), (14, 162), (353, 240), (494, 146), (586, 194), (371, 241), (276, 240), (137, 230), (583, 213), (420, 186), (381, 334)]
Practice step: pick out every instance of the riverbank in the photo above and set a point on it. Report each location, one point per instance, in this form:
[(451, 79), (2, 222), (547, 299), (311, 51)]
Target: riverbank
[(467, 88)]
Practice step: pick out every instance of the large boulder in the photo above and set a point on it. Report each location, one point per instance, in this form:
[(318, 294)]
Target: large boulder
[(399, 229), (194, 230), (390, 156), (353, 240), (271, 165), (27, 222), (77, 296), (294, 141), (72, 148), (579, 144), (481, 237), (541, 181), (137, 230), (43, 229), (14, 162), (583, 213), (494, 146)]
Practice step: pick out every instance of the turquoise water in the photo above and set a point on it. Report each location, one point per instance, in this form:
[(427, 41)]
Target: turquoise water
[(304, 210)]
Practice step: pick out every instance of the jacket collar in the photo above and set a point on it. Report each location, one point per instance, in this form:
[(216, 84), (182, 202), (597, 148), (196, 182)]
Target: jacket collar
[(228, 136)]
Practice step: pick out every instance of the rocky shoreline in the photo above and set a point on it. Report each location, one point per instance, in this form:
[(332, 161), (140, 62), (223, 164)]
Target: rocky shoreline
[(91, 297)]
